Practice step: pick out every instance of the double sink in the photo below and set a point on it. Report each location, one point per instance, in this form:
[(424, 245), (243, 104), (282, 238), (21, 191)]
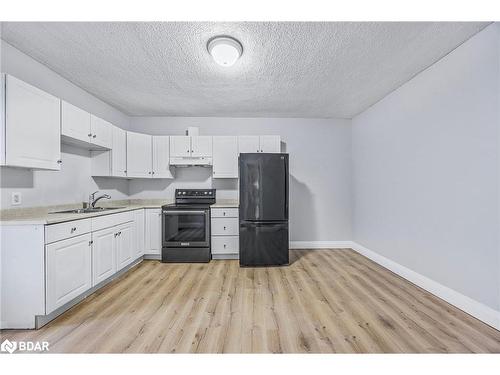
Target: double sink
[(86, 210)]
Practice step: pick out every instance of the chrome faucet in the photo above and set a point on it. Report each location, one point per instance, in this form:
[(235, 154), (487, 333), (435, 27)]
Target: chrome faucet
[(93, 200)]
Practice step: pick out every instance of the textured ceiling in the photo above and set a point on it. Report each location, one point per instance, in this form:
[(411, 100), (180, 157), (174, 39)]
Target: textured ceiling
[(289, 69)]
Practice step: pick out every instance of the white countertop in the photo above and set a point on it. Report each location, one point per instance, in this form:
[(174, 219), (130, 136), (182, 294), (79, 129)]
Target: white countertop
[(43, 215)]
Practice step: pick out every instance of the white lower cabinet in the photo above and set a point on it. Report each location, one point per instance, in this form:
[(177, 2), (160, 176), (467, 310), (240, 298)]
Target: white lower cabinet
[(152, 231), (225, 244), (139, 233), (124, 245), (225, 232), (103, 254), (68, 270)]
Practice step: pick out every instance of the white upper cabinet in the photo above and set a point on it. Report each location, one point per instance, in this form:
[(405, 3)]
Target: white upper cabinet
[(255, 143), (101, 132), (201, 146), (119, 153), (75, 123), (161, 157), (32, 127), (248, 144), (180, 146), (270, 143), (111, 163), (139, 155), (225, 157)]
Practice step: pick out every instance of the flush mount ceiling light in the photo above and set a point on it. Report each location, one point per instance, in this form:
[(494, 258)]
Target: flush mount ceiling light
[(225, 50)]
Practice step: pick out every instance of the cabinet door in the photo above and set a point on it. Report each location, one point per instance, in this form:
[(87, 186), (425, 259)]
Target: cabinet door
[(102, 132), (33, 127), (225, 157), (103, 254), (68, 270), (139, 233), (180, 146), (139, 155), (152, 231), (124, 245), (75, 122), (270, 143), (248, 144), (119, 153), (201, 146), (161, 157)]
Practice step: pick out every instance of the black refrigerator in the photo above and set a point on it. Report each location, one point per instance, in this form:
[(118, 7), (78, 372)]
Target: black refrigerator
[(263, 209)]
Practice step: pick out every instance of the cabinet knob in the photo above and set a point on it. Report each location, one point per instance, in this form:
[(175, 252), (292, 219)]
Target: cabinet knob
[(224, 246), (149, 172), (90, 134), (224, 228), (94, 136), (125, 171), (59, 161), (224, 213), (153, 172), (73, 229)]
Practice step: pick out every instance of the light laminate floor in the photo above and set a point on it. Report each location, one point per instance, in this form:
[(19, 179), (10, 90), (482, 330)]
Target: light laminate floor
[(324, 302)]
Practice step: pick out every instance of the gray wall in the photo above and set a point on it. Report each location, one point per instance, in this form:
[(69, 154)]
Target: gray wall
[(320, 152), (73, 183), (426, 172)]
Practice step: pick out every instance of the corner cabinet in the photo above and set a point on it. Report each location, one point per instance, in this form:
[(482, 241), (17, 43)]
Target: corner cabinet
[(32, 126), (112, 163), (225, 157), (82, 129)]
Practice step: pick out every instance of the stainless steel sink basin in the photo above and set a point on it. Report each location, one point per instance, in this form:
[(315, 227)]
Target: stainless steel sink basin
[(86, 210)]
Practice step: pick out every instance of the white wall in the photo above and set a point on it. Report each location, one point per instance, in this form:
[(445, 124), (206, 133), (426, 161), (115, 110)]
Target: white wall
[(73, 183), (426, 172), (320, 152)]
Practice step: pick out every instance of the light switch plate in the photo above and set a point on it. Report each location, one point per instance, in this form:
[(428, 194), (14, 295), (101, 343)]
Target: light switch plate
[(16, 198)]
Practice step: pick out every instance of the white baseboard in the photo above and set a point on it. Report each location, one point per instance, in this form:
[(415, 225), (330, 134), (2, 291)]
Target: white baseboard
[(321, 244), (476, 309)]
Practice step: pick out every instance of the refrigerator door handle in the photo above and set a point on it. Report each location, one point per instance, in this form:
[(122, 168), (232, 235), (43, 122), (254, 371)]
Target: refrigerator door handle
[(286, 187)]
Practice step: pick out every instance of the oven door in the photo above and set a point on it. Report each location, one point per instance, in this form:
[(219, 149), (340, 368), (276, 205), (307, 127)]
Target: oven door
[(186, 228)]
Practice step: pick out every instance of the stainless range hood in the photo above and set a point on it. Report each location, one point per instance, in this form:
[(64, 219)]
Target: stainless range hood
[(191, 162)]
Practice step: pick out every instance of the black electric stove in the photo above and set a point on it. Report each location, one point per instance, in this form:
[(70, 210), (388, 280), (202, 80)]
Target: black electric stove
[(186, 226)]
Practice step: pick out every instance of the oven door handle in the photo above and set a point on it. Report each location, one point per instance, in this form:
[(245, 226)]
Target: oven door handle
[(183, 212)]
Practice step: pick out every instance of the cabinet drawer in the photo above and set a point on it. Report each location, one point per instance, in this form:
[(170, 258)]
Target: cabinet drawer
[(57, 232), (106, 221), (225, 245), (224, 212), (222, 226)]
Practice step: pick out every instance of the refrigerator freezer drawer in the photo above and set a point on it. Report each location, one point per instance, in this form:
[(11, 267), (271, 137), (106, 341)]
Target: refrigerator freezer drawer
[(264, 244)]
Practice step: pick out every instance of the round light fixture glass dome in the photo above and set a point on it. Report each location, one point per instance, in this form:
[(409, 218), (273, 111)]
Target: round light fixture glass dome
[(225, 50)]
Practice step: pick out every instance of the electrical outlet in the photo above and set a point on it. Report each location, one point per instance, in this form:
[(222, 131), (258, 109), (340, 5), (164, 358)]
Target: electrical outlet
[(16, 199)]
